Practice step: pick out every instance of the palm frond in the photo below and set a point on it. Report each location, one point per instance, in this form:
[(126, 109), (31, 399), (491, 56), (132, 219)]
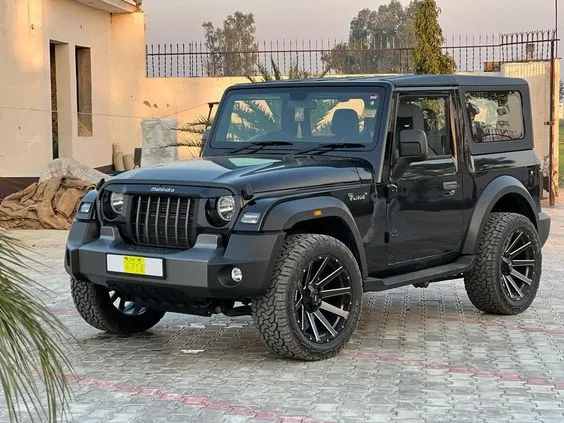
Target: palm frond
[(276, 70), (256, 115), (32, 342), (197, 126)]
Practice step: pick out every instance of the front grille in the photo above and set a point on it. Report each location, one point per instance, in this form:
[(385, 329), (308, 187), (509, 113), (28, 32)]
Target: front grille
[(162, 221)]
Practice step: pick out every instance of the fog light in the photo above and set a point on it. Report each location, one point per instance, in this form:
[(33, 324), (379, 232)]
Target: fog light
[(236, 274)]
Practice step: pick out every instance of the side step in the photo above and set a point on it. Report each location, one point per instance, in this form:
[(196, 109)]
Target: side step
[(432, 274)]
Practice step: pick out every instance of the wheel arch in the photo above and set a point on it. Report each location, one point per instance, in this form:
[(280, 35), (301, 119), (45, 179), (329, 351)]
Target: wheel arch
[(503, 194), (322, 215)]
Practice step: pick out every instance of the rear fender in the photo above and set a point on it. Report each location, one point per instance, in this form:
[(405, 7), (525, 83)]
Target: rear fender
[(495, 190)]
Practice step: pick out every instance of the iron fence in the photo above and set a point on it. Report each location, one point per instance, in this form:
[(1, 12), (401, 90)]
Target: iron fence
[(485, 52)]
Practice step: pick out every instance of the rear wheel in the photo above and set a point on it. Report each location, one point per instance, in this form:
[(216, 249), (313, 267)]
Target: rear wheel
[(506, 275), (110, 311), (313, 305)]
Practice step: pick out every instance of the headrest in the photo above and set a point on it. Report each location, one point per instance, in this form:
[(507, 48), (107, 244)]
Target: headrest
[(414, 112), (345, 123)]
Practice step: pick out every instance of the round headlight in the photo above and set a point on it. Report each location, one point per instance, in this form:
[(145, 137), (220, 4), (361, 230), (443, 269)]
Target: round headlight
[(116, 202), (225, 208)]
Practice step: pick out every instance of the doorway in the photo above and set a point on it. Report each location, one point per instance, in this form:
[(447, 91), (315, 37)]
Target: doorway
[(54, 113)]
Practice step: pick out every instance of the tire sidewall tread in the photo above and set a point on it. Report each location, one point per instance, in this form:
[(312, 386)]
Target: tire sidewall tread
[(274, 313), (93, 304), (482, 283)]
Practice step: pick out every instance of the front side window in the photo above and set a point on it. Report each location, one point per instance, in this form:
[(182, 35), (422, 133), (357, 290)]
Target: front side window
[(299, 115), (495, 115), (430, 115)]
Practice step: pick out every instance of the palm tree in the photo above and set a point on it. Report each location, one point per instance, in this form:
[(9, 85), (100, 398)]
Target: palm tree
[(32, 358)]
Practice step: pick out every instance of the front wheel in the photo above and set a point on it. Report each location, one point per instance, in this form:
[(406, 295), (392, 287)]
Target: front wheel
[(313, 304), (111, 311), (506, 274)]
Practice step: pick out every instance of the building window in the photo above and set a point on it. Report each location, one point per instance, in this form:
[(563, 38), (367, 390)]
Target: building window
[(495, 115), (84, 91)]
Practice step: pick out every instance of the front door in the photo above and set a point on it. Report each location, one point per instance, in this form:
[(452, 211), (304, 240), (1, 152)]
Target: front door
[(425, 213)]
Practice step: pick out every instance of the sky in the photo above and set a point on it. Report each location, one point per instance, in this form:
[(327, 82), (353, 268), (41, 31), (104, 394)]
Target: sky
[(175, 21)]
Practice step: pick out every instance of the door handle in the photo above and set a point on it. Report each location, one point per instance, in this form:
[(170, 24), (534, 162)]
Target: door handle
[(450, 187)]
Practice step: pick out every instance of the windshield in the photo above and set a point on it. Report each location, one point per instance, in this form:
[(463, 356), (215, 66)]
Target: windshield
[(298, 115)]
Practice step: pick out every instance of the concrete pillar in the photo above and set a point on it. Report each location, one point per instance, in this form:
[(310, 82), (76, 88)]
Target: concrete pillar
[(157, 135)]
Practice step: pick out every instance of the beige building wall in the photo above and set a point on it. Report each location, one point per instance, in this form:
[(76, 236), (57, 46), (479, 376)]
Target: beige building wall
[(25, 125), (537, 75), (121, 94), (27, 29)]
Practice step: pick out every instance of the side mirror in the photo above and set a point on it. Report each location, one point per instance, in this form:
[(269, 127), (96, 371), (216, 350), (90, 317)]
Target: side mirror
[(413, 145)]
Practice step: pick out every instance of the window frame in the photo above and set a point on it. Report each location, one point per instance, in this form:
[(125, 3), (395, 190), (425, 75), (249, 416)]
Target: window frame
[(214, 144), (480, 148), (449, 121)]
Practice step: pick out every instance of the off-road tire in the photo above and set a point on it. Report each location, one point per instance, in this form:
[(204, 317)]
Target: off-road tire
[(274, 313), (93, 304), (484, 283)]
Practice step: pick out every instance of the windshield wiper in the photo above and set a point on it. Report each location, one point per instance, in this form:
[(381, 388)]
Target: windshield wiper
[(330, 147), (260, 145)]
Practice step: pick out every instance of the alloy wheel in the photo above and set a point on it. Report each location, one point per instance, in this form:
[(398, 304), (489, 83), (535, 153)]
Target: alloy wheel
[(323, 299), (126, 306), (518, 264)]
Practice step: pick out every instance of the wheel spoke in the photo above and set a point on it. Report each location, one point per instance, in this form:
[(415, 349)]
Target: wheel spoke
[(506, 283), (335, 310), (514, 242), (328, 293), (329, 278), (303, 318), (521, 277), (113, 296), (313, 326), (318, 273), (325, 323), (121, 304), (300, 303), (515, 287), (524, 263), (521, 249), (308, 274)]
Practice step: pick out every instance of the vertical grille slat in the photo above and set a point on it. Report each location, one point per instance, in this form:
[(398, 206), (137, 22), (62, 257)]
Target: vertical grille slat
[(172, 218), (148, 212), (166, 220), (157, 221), (186, 233), (176, 221), (137, 219)]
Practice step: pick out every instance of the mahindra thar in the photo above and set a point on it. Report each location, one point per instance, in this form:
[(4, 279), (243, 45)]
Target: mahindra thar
[(310, 193)]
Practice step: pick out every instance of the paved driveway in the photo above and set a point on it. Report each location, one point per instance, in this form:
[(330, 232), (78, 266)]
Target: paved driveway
[(418, 355)]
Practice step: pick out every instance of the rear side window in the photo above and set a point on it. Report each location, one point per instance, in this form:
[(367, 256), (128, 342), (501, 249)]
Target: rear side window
[(495, 115)]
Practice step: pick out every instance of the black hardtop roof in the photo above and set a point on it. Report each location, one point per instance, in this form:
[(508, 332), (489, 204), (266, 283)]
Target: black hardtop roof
[(407, 80)]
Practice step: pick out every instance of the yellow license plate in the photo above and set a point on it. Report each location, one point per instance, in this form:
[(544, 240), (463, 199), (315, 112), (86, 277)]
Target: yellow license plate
[(134, 265)]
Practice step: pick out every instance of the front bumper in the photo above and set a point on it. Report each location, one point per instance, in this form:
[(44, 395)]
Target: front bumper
[(204, 271), (543, 223)]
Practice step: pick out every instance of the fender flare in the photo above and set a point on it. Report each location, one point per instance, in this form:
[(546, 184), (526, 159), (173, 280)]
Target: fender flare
[(90, 196), (283, 216), (493, 192)]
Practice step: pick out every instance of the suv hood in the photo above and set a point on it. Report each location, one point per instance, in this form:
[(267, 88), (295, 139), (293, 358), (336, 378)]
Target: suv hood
[(272, 173)]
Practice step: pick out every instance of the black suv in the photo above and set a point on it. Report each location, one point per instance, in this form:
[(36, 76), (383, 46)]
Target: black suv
[(310, 193)]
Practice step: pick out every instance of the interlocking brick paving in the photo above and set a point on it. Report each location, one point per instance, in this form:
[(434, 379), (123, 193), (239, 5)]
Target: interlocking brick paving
[(418, 355)]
